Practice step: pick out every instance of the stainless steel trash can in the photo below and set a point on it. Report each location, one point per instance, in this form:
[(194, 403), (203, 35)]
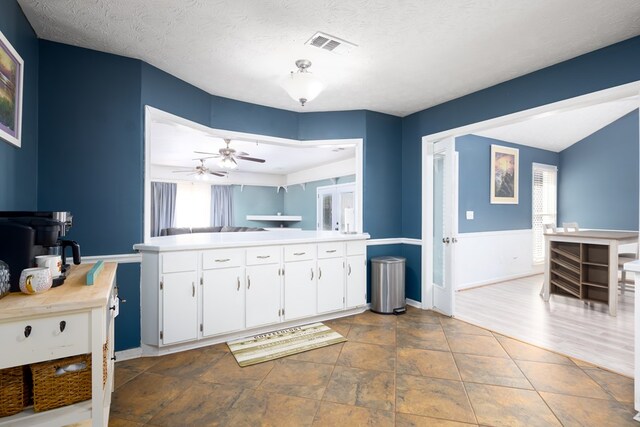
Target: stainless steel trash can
[(387, 285)]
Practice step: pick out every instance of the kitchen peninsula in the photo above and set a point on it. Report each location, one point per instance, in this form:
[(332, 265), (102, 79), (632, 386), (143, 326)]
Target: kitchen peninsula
[(201, 289)]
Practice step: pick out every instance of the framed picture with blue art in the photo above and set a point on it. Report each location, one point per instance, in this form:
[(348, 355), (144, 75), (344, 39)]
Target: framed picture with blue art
[(504, 175), (11, 83)]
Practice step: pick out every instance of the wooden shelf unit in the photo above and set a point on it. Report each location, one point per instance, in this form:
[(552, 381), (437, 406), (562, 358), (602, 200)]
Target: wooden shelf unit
[(580, 270)]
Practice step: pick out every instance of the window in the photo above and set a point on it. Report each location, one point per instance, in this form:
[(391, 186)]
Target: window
[(193, 205), (544, 209)]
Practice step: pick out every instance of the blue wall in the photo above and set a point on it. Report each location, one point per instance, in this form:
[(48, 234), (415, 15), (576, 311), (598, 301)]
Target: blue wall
[(474, 185), (19, 166), (255, 200), (299, 201), (598, 178)]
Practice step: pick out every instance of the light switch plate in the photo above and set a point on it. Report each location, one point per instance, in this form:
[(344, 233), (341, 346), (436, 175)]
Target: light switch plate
[(469, 214)]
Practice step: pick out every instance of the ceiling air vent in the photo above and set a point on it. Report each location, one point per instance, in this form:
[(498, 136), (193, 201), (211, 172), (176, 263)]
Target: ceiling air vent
[(330, 43)]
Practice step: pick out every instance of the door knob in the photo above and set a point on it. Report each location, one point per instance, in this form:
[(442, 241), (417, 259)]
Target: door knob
[(454, 240), (445, 240)]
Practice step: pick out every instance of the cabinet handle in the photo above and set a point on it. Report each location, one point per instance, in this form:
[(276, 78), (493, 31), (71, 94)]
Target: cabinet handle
[(248, 282), (263, 256), (223, 260), (319, 273), (299, 253), (63, 325), (349, 273), (238, 283), (193, 289), (27, 331), (331, 251), (312, 274)]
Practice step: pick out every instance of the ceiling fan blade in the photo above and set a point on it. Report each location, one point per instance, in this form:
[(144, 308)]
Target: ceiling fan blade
[(218, 173), (204, 152), (242, 153), (251, 159), (190, 170), (208, 157)]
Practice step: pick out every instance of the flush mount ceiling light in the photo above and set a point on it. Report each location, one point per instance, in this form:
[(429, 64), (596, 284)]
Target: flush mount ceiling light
[(301, 85)]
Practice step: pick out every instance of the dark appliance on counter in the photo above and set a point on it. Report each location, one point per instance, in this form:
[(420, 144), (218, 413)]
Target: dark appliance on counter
[(25, 235)]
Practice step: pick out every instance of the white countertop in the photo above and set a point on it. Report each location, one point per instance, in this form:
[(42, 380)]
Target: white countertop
[(633, 266), (242, 238)]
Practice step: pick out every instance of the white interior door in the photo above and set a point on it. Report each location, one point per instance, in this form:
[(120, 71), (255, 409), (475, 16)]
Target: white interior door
[(443, 224), (336, 208)]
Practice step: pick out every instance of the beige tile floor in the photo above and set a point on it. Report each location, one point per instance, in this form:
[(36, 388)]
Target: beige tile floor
[(418, 369)]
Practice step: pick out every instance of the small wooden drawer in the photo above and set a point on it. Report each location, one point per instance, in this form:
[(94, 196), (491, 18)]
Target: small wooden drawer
[(263, 255), (31, 340), (222, 258), (330, 250), (356, 248), (299, 252), (174, 262)]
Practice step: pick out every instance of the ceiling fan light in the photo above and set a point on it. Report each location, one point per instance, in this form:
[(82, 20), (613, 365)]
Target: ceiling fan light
[(228, 163), (303, 86)]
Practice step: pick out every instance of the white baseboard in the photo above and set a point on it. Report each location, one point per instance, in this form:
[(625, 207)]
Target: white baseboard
[(534, 271), (414, 303), (130, 353)]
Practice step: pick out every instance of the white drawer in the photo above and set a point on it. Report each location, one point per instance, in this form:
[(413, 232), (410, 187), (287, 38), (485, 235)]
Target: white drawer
[(356, 248), (264, 255), (175, 262), (330, 250), (222, 258), (299, 252), (46, 341)]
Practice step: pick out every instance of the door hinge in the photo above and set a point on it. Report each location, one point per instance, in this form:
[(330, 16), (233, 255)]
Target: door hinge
[(201, 327), (283, 271), (161, 335), (201, 281), (343, 300), (161, 285), (279, 312), (283, 312)]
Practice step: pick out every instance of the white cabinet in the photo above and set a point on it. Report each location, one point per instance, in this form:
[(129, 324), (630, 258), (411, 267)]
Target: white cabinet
[(179, 307), (299, 289), (263, 295), (356, 281), (223, 300), (330, 284), (212, 292)]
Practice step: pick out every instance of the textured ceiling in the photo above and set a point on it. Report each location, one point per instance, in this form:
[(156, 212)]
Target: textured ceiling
[(411, 54), (557, 131)]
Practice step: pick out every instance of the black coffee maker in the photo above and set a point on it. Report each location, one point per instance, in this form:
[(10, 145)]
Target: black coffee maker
[(25, 235)]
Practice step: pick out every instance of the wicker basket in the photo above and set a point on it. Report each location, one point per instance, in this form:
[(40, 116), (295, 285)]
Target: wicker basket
[(12, 391), (52, 391), (105, 353)]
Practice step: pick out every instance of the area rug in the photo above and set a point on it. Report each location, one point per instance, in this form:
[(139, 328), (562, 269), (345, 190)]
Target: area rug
[(285, 342)]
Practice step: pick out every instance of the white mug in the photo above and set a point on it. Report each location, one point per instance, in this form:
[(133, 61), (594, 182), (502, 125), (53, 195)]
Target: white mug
[(35, 280), (52, 262)]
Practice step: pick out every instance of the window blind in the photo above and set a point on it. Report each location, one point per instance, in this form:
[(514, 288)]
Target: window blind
[(544, 209)]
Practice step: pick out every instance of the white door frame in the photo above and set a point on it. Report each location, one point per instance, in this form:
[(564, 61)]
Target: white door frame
[(336, 204), (610, 94)]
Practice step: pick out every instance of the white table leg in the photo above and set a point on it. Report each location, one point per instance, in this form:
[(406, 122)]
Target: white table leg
[(613, 278), (546, 286)]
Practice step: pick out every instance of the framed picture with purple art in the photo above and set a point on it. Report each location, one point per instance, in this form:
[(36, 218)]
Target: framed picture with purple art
[(11, 82), (504, 175)]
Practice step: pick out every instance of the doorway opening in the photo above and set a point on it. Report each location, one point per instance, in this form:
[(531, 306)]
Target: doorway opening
[(336, 207)]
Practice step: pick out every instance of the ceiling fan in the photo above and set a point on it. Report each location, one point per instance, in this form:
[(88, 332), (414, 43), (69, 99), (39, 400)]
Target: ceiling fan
[(201, 169), (228, 156)]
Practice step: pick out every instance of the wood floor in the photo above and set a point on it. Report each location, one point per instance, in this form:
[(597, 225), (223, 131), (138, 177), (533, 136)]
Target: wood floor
[(564, 325)]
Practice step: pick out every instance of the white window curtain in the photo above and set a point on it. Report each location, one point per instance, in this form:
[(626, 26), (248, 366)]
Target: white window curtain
[(163, 206), (544, 205), (221, 205), (193, 205)]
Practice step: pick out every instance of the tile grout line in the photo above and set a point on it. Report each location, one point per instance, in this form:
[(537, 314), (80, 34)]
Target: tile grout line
[(464, 387), (528, 379)]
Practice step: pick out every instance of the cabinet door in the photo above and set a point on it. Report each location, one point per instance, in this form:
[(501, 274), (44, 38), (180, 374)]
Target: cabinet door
[(356, 281), (263, 295), (222, 300), (179, 307), (330, 284), (299, 289)]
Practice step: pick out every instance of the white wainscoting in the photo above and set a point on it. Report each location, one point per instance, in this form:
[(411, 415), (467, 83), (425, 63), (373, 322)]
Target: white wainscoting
[(494, 256)]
